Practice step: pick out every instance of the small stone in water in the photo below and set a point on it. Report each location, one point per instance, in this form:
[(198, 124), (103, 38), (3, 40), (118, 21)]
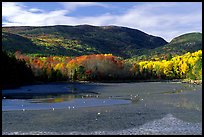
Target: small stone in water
[(69, 107), (142, 99), (99, 113), (73, 107), (23, 109), (53, 108), (4, 97), (103, 101)]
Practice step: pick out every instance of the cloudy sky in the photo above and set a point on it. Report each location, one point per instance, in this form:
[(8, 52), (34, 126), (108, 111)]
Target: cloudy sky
[(165, 19)]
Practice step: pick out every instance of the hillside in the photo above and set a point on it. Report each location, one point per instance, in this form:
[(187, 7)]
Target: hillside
[(79, 40), (182, 44)]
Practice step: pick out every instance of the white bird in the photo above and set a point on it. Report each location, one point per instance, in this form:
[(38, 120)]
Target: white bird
[(99, 113), (53, 108), (23, 109)]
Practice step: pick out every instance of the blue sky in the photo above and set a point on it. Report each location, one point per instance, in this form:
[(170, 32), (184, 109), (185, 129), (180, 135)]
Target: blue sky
[(165, 19)]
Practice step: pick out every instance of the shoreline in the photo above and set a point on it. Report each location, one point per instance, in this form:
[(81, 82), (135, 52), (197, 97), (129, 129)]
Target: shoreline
[(197, 82)]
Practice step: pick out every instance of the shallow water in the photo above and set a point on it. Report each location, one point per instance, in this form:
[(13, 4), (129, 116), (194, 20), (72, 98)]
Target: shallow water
[(16, 104), (108, 107)]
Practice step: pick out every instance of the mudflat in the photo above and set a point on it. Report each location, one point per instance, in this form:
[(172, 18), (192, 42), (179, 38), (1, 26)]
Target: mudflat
[(159, 108)]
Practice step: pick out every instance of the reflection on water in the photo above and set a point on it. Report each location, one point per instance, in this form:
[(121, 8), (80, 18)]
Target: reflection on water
[(67, 97), (56, 99), (67, 101)]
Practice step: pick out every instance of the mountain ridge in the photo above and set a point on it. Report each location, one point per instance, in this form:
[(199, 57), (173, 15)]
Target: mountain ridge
[(121, 41)]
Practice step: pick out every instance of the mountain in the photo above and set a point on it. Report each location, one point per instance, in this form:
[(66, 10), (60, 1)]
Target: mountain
[(78, 40), (189, 42)]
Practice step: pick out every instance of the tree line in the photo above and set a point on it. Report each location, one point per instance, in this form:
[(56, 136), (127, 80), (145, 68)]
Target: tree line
[(96, 67)]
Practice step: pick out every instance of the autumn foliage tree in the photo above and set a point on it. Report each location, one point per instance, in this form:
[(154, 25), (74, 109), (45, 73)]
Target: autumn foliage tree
[(97, 67), (108, 67), (187, 66)]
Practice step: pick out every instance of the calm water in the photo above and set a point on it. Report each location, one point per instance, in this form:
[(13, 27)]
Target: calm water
[(63, 107), (58, 96)]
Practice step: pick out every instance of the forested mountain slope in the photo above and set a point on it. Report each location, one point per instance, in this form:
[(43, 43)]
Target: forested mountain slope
[(79, 40), (189, 42)]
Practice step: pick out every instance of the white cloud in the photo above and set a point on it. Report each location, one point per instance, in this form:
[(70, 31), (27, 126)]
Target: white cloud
[(10, 9), (17, 15), (75, 5), (167, 20), (35, 10)]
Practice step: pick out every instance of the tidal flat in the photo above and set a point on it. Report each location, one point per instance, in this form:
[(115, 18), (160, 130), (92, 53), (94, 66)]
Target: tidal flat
[(103, 108)]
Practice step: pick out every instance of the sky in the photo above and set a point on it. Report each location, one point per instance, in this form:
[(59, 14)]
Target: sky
[(164, 19)]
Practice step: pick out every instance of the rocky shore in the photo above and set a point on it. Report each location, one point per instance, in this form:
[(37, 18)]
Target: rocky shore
[(168, 125), (197, 82)]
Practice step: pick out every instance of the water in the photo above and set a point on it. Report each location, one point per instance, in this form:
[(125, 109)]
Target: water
[(56, 96), (16, 104), (105, 108)]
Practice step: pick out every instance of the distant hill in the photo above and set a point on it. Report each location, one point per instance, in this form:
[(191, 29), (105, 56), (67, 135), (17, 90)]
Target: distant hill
[(79, 40), (189, 42)]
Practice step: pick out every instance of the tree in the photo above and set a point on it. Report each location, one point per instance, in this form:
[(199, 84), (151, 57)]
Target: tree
[(14, 72)]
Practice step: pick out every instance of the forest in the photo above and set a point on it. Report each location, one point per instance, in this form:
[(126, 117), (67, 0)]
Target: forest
[(99, 67)]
